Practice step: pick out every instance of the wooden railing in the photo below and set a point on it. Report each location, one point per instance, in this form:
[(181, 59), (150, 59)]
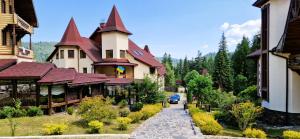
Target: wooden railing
[(23, 24)]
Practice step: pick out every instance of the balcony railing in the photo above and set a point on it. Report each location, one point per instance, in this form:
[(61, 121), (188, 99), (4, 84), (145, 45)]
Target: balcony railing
[(23, 24), (26, 53), (294, 62)]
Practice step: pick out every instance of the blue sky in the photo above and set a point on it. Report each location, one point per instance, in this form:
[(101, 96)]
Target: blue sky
[(178, 27)]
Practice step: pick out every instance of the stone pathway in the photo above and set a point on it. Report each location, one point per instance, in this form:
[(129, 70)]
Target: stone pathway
[(170, 123)]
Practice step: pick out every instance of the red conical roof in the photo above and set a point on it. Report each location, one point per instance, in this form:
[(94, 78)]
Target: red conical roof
[(114, 23), (71, 35)]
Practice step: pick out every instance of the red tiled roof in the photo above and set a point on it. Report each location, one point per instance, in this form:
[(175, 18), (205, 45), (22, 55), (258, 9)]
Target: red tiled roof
[(145, 57), (119, 81), (115, 62), (114, 23), (5, 63), (72, 37), (29, 70), (58, 76), (86, 79)]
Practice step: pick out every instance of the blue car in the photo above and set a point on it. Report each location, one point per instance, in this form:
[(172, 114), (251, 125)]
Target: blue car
[(174, 99), (178, 96)]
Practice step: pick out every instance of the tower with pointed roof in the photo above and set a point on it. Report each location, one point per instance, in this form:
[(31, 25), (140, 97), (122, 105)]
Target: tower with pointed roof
[(114, 37)]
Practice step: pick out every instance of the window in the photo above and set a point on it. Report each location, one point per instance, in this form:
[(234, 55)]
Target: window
[(265, 52), (82, 54), (152, 70), (122, 53), (57, 55), (70, 53), (62, 54), (3, 6), (109, 54), (84, 70), (4, 39)]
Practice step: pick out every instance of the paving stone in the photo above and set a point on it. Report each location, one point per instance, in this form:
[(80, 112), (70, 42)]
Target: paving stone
[(170, 123)]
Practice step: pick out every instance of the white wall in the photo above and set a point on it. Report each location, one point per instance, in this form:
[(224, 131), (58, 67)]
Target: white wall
[(294, 92), (141, 70), (115, 41), (75, 62)]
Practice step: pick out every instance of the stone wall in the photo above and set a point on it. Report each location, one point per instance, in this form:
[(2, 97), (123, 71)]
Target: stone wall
[(278, 118)]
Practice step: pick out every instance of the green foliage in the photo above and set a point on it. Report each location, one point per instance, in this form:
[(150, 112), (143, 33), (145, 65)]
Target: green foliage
[(252, 77), (189, 97), (218, 99), (124, 112), (136, 106), (245, 113), (54, 129), (254, 133), (170, 75), (289, 134), (135, 116), (240, 62), (222, 75), (208, 63), (96, 108), (34, 111), (15, 111), (207, 123), (193, 109), (240, 84), (96, 126), (201, 87), (42, 50), (150, 110), (123, 103), (191, 76), (147, 91), (249, 94), (70, 110), (185, 68), (12, 125), (123, 122)]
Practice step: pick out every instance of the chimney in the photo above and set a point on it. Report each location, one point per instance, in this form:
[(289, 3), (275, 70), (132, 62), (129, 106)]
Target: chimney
[(146, 48)]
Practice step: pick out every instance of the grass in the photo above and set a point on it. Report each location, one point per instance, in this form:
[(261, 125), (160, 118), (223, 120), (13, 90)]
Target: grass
[(32, 126), (231, 132)]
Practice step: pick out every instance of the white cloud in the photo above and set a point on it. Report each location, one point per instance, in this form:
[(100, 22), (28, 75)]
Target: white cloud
[(205, 46), (235, 32)]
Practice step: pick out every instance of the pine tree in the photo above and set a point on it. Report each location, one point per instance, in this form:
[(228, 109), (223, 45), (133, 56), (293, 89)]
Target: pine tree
[(178, 70), (240, 63), (185, 68), (164, 59), (252, 79), (170, 76), (222, 74)]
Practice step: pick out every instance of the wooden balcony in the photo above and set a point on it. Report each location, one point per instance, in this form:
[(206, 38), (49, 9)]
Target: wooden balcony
[(22, 24), (25, 53), (294, 62)]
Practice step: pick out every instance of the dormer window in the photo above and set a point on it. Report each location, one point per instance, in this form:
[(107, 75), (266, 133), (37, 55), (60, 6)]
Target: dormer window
[(109, 54), (122, 53)]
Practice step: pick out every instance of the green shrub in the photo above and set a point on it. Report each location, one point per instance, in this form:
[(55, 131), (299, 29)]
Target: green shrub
[(95, 126), (11, 111), (240, 83), (34, 111), (123, 103), (207, 123), (249, 94), (245, 113), (193, 109), (70, 110), (136, 106), (150, 110), (96, 108), (54, 129), (254, 133), (135, 116), (123, 122), (124, 112), (289, 134), (189, 97)]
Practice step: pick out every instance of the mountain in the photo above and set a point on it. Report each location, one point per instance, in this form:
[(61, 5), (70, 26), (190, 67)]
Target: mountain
[(42, 50)]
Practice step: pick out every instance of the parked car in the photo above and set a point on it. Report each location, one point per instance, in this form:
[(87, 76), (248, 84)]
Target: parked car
[(178, 96), (174, 99)]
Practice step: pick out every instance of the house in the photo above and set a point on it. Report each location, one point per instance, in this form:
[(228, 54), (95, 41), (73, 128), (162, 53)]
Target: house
[(107, 51), (17, 18), (279, 61)]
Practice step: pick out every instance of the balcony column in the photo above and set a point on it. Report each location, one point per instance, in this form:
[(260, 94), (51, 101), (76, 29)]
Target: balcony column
[(30, 45)]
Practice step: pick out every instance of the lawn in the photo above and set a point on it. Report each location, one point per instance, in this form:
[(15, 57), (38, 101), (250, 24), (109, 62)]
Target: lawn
[(32, 126)]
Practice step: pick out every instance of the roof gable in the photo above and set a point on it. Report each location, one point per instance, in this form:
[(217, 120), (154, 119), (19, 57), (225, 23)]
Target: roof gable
[(71, 35)]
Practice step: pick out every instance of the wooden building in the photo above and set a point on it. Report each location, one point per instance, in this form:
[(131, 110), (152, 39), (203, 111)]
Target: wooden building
[(17, 18)]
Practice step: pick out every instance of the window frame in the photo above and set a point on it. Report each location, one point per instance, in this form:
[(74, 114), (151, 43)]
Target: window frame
[(265, 27), (122, 54), (82, 54), (3, 6), (4, 37), (57, 55), (62, 54), (84, 70), (71, 55), (111, 53), (152, 70)]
